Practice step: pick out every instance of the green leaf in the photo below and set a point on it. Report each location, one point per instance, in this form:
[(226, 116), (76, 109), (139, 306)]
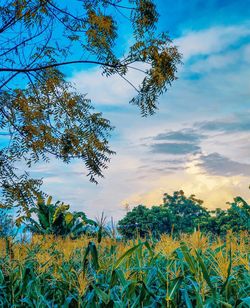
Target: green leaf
[(175, 288), (127, 254), (99, 235), (205, 272), (43, 220), (1, 278), (188, 258), (102, 295), (187, 298), (245, 300), (147, 245), (94, 255), (224, 304)]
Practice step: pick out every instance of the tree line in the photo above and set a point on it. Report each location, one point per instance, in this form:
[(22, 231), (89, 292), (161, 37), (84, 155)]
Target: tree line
[(177, 215), (181, 214)]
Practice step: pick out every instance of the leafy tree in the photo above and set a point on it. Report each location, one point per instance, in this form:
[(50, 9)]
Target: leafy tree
[(143, 221), (6, 224), (186, 213), (182, 214), (236, 218), (56, 219), (218, 222), (160, 220), (41, 114), (135, 223), (178, 214), (239, 215)]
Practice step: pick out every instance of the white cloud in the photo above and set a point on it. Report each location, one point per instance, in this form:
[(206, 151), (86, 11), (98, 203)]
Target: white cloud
[(214, 62), (222, 61), (113, 90), (208, 41)]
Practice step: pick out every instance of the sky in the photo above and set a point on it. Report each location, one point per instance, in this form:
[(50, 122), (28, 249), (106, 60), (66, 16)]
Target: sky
[(198, 140)]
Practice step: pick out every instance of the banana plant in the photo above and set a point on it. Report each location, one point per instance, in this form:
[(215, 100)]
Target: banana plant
[(56, 219)]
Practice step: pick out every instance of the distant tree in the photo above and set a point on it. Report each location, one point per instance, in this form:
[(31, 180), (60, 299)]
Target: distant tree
[(217, 223), (178, 214), (56, 219), (186, 213), (142, 221), (135, 223), (160, 220), (236, 218), (41, 114), (6, 224), (239, 215), (182, 214)]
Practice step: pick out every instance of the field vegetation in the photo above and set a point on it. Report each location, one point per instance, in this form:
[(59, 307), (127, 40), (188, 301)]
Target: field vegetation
[(186, 271), (177, 254)]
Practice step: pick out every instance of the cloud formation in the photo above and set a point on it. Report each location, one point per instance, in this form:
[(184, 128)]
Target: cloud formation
[(182, 142), (112, 90), (187, 135), (216, 164), (210, 41), (174, 148), (237, 123)]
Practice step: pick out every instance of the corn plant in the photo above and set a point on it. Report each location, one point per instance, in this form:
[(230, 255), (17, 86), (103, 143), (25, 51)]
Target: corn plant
[(191, 271)]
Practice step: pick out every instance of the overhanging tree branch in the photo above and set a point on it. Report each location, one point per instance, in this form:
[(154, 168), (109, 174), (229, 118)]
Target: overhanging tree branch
[(43, 67), (44, 113)]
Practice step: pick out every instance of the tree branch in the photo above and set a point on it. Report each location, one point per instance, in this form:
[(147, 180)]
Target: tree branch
[(39, 68), (121, 6)]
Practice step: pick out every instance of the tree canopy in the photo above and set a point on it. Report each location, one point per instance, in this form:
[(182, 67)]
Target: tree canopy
[(181, 214), (41, 114), (186, 213)]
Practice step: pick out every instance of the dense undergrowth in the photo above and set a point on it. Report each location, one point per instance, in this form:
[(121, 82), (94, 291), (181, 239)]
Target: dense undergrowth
[(191, 271)]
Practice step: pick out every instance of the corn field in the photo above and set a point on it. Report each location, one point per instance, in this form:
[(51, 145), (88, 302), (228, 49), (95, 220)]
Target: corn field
[(192, 271)]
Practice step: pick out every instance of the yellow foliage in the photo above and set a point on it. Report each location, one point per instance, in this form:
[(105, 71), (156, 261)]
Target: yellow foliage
[(167, 245), (196, 240), (82, 283), (50, 253), (2, 247)]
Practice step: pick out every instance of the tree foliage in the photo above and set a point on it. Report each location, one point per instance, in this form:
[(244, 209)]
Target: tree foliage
[(142, 221), (41, 115), (180, 214), (186, 213), (235, 218), (6, 224), (55, 219)]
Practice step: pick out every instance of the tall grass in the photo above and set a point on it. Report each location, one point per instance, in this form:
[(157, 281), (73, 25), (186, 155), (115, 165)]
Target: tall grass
[(189, 272)]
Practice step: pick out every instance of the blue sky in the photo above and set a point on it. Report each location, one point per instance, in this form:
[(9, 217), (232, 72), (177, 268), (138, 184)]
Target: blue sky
[(198, 140)]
